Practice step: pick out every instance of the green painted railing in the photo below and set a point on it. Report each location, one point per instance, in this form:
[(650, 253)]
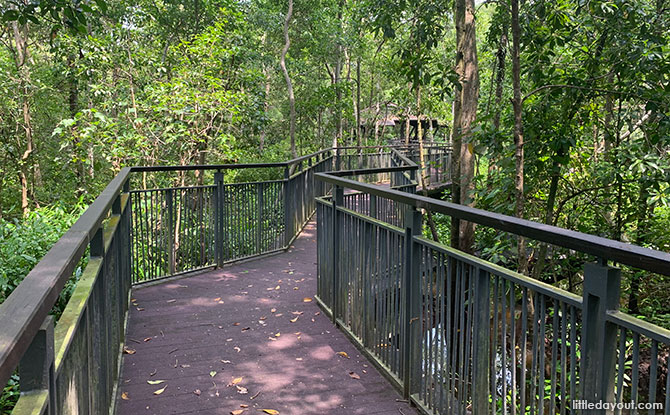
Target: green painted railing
[(461, 335)]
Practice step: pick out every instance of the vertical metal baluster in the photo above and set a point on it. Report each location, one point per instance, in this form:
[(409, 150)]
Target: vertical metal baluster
[(513, 363), (574, 391), (524, 346), (635, 378), (461, 340), (494, 346), (564, 358), (472, 276), (542, 352), (653, 373), (554, 356), (503, 343), (621, 367)]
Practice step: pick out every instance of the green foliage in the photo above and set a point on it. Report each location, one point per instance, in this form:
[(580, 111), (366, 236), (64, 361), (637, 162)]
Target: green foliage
[(23, 243)]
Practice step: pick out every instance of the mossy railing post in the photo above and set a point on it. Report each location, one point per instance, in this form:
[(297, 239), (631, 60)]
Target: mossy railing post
[(36, 369), (219, 216), (169, 204), (602, 290), (288, 214), (259, 223), (338, 200), (411, 287)]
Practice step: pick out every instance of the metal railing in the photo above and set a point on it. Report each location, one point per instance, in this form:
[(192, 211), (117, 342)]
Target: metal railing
[(134, 235), (461, 335)]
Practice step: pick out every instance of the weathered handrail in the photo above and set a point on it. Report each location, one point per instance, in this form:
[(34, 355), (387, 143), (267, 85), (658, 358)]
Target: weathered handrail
[(27, 307), (458, 334), (621, 252), (44, 357)]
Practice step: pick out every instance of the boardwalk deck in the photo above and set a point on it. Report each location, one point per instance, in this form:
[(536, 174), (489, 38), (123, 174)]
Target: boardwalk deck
[(201, 332)]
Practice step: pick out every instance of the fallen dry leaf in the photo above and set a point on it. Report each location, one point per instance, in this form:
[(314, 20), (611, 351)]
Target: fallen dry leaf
[(212, 373), (297, 313), (237, 411), (236, 380), (128, 350), (237, 349), (242, 390), (293, 320), (273, 310), (307, 300), (354, 375), (277, 287), (271, 411), (244, 405), (225, 361), (124, 396), (197, 392), (155, 382), (161, 390), (147, 339), (343, 354), (217, 299), (278, 334), (171, 301)]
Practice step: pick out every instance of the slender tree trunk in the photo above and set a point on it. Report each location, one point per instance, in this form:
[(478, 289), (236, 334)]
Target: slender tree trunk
[(26, 161), (358, 102), (287, 77), (518, 131), (501, 55), (266, 107), (467, 68), (337, 75)]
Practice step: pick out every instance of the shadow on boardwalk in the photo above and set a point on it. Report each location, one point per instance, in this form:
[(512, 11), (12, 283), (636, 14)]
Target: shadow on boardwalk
[(248, 321)]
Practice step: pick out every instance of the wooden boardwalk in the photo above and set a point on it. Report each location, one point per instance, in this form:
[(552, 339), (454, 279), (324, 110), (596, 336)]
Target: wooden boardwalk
[(246, 337)]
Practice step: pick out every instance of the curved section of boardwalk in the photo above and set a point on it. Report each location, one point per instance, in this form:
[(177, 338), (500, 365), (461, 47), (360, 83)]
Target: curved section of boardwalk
[(203, 333)]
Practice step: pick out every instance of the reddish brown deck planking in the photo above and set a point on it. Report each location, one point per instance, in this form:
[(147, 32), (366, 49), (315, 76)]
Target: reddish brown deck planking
[(197, 335)]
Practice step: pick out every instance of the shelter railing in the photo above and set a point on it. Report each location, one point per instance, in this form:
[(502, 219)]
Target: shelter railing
[(149, 223), (462, 335)]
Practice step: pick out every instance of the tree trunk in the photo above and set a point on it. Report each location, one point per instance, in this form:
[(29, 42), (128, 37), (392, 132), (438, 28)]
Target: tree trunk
[(358, 102), (467, 68), (266, 106), (25, 163), (289, 84), (501, 54), (518, 131)]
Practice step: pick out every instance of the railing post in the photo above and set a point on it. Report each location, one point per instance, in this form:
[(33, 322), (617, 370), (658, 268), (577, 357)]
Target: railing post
[(288, 197), (481, 340), (169, 204), (373, 206), (259, 233), (36, 369), (411, 287), (602, 288), (218, 214), (338, 199)]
